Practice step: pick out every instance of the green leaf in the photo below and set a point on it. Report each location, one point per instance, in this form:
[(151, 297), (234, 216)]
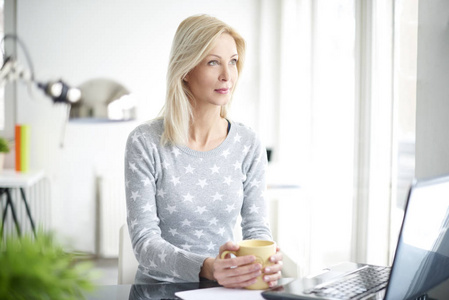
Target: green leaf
[(39, 268)]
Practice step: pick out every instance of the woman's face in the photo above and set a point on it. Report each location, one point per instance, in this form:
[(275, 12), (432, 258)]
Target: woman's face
[(212, 81)]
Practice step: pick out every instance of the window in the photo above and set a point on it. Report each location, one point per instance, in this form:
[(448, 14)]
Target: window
[(7, 91), (405, 59), (346, 123), (333, 131), (2, 89), (317, 127)]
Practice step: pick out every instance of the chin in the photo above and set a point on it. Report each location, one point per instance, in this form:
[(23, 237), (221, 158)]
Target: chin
[(223, 102)]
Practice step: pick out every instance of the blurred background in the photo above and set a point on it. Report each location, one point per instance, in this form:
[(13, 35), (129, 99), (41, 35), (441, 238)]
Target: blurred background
[(330, 86)]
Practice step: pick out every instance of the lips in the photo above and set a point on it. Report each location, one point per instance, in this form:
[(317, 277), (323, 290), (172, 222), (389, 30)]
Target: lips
[(223, 90)]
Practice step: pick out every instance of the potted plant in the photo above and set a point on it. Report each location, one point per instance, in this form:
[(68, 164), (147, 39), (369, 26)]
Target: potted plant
[(39, 268), (4, 148)]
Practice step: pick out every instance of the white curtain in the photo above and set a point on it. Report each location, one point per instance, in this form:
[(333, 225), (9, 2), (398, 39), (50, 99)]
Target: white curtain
[(329, 69)]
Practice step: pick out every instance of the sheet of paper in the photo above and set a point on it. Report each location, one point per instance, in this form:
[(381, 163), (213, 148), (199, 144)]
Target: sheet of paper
[(220, 293)]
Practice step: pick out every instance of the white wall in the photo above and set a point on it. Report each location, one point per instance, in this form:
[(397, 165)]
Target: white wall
[(128, 41), (432, 121)]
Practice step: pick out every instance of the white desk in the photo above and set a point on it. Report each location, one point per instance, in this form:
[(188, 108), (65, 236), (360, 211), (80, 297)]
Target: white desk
[(10, 179)]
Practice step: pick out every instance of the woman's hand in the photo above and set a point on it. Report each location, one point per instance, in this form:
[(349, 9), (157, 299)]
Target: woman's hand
[(235, 272), (273, 273), (239, 272)]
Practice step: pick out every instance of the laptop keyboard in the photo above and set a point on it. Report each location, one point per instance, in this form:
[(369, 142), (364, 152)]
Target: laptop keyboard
[(355, 285)]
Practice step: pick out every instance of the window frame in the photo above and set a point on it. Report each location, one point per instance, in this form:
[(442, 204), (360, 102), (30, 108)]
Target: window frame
[(10, 25)]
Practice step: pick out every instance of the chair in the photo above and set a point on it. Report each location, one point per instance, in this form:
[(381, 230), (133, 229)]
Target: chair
[(127, 262)]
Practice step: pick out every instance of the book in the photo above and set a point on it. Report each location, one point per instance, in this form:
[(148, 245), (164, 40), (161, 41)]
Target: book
[(22, 136), (17, 146)]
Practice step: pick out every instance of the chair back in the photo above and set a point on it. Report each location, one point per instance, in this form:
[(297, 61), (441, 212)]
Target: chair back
[(127, 262)]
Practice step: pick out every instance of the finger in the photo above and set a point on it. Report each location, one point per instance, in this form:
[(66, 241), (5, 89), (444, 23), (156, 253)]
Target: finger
[(229, 246), (236, 261), (240, 278), (273, 268), (235, 266), (277, 257), (237, 275), (272, 283), (273, 278)]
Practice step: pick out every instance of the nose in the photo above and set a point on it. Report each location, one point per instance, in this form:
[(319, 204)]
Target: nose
[(225, 73)]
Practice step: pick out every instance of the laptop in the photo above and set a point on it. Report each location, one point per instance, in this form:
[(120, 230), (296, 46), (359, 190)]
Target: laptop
[(421, 260)]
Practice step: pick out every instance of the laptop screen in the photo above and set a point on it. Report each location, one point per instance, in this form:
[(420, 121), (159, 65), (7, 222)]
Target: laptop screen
[(422, 255)]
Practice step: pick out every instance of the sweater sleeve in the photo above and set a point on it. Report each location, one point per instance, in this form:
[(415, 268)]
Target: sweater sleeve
[(158, 259), (254, 210)]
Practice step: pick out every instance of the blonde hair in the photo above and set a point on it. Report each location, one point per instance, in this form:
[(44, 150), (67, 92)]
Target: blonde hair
[(194, 39)]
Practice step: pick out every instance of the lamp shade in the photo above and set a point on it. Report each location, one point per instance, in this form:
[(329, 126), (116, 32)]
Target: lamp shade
[(103, 100)]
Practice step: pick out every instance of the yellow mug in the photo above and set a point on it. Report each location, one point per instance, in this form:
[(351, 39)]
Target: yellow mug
[(262, 250)]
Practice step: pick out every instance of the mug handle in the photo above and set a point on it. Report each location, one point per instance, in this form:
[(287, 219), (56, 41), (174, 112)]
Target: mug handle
[(226, 252)]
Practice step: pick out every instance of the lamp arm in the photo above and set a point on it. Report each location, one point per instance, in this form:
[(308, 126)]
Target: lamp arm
[(58, 91), (6, 69), (25, 52)]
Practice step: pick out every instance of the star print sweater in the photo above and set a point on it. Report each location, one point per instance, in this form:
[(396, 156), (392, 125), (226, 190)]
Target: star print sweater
[(183, 204)]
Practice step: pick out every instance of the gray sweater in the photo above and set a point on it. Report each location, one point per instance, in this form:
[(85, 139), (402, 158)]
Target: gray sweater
[(182, 204)]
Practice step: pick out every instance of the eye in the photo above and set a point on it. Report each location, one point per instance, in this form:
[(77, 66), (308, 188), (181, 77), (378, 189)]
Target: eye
[(234, 61), (213, 63)]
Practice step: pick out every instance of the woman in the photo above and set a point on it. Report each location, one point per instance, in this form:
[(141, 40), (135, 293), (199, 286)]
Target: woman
[(191, 172)]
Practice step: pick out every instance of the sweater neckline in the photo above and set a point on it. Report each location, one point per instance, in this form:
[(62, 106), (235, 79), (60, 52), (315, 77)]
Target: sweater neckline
[(213, 152)]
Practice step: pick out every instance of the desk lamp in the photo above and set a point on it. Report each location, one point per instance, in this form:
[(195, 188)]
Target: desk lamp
[(12, 70), (97, 100)]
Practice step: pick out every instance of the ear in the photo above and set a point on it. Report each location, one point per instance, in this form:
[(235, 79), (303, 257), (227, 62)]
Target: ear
[(186, 78)]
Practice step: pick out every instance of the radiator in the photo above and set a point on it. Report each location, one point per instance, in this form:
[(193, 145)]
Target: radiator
[(39, 202), (111, 214)]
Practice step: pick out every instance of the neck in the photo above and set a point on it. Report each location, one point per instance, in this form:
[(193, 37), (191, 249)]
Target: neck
[(207, 131)]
